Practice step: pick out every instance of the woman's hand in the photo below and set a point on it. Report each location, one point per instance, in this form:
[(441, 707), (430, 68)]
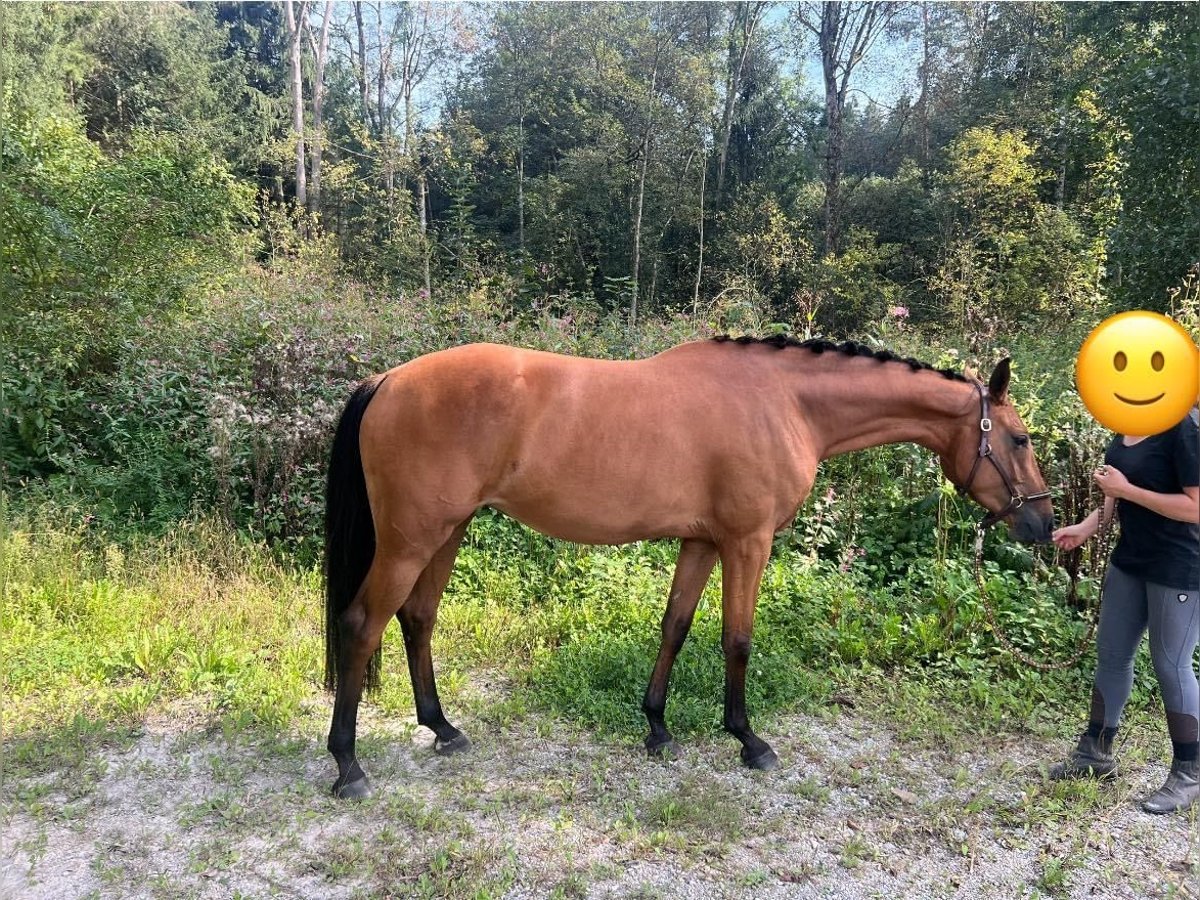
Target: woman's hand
[(1071, 536), (1112, 482)]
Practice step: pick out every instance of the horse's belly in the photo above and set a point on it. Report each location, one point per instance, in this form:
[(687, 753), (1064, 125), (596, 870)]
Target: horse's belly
[(591, 529), (608, 514)]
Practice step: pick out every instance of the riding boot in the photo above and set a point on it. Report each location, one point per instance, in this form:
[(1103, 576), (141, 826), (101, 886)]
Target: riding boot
[(1092, 758), (1181, 791)]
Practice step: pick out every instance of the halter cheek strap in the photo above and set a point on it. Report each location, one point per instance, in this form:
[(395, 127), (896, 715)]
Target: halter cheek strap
[(1015, 499)]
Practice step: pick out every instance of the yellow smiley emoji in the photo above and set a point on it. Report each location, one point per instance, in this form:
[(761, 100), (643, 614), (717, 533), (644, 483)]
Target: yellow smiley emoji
[(1138, 373)]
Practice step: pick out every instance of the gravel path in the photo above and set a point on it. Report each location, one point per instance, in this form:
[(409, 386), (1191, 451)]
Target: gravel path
[(539, 808)]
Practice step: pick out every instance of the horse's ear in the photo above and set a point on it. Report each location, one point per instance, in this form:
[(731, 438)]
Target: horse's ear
[(998, 383)]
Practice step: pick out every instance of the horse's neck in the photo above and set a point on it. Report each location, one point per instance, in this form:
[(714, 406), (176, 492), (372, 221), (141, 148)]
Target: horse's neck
[(848, 409)]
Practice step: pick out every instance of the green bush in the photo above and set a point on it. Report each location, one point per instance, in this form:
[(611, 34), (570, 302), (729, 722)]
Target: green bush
[(90, 245)]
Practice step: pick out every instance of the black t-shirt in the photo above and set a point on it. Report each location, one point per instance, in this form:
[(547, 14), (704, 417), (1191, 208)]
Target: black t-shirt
[(1154, 547)]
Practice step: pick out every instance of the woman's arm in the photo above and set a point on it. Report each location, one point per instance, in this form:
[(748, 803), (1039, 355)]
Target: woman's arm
[(1072, 536), (1183, 507)]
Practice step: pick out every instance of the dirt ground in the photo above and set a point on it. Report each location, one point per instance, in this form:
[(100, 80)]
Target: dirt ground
[(539, 808)]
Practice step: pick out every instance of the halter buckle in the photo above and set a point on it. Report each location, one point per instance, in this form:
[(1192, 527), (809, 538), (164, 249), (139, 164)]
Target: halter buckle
[(985, 424)]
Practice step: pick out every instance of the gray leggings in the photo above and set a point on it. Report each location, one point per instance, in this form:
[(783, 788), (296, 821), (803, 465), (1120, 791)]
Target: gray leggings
[(1130, 605)]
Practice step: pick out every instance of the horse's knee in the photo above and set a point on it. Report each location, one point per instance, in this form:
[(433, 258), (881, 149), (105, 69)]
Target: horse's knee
[(736, 646)]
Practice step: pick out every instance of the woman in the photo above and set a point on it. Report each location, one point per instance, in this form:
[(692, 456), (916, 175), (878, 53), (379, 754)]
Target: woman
[(1153, 580)]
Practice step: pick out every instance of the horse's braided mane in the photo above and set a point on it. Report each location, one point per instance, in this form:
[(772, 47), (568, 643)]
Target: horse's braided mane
[(847, 348)]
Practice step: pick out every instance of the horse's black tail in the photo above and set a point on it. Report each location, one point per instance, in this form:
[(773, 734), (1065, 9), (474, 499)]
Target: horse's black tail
[(349, 530)]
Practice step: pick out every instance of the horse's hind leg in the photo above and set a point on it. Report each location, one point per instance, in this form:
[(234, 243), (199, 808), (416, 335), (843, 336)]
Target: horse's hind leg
[(695, 564), (388, 582), (417, 618)]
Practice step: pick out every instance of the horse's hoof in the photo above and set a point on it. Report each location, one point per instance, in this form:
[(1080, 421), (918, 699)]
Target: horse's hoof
[(359, 789), (457, 744), (668, 749), (766, 761)]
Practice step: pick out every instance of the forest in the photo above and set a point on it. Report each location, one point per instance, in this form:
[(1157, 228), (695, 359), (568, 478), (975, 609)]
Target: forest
[(215, 218)]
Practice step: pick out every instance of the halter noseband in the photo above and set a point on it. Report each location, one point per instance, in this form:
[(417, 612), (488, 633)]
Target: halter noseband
[(1015, 500)]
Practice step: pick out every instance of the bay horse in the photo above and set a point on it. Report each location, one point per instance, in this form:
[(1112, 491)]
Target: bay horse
[(714, 442)]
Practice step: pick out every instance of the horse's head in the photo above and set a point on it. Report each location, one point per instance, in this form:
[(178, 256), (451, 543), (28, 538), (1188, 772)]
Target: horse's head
[(991, 460)]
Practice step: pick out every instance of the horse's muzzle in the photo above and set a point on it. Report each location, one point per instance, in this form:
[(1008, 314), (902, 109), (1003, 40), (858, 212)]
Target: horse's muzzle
[(1031, 527)]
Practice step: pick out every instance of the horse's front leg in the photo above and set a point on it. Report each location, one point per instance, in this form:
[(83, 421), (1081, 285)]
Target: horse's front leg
[(695, 564), (742, 565)]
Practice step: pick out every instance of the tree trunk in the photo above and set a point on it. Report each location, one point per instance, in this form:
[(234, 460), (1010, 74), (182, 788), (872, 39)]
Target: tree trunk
[(422, 197), (411, 52), (653, 282), (408, 118), (845, 33), (925, 65), (521, 185), (386, 145), (747, 17), (297, 98), (835, 139), (641, 198), (320, 51), (700, 255), (361, 72)]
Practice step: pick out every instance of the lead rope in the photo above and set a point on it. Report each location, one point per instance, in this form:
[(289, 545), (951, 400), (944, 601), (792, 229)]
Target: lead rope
[(1104, 533)]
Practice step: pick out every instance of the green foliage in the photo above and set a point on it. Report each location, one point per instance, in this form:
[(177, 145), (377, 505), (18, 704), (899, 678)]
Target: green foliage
[(1149, 95), (159, 67), (990, 173), (768, 259), (854, 285), (91, 245), (579, 97), (1010, 257)]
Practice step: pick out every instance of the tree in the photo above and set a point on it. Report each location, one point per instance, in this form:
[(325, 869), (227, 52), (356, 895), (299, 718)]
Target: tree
[(594, 116), (320, 49), (393, 49), (294, 19), (743, 23), (1147, 98), (1007, 256), (845, 33), (255, 107), (529, 92)]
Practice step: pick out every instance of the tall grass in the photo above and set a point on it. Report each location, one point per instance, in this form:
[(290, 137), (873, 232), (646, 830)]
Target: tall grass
[(104, 630), (100, 634)]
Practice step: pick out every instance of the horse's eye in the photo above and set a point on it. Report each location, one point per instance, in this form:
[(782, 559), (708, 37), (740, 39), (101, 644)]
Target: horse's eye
[(1021, 440)]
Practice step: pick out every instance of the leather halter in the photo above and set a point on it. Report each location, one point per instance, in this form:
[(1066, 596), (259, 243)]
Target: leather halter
[(1015, 499)]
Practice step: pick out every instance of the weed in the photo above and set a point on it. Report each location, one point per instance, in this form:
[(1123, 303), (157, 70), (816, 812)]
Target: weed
[(1054, 875), (810, 788), (855, 852), (573, 887)]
